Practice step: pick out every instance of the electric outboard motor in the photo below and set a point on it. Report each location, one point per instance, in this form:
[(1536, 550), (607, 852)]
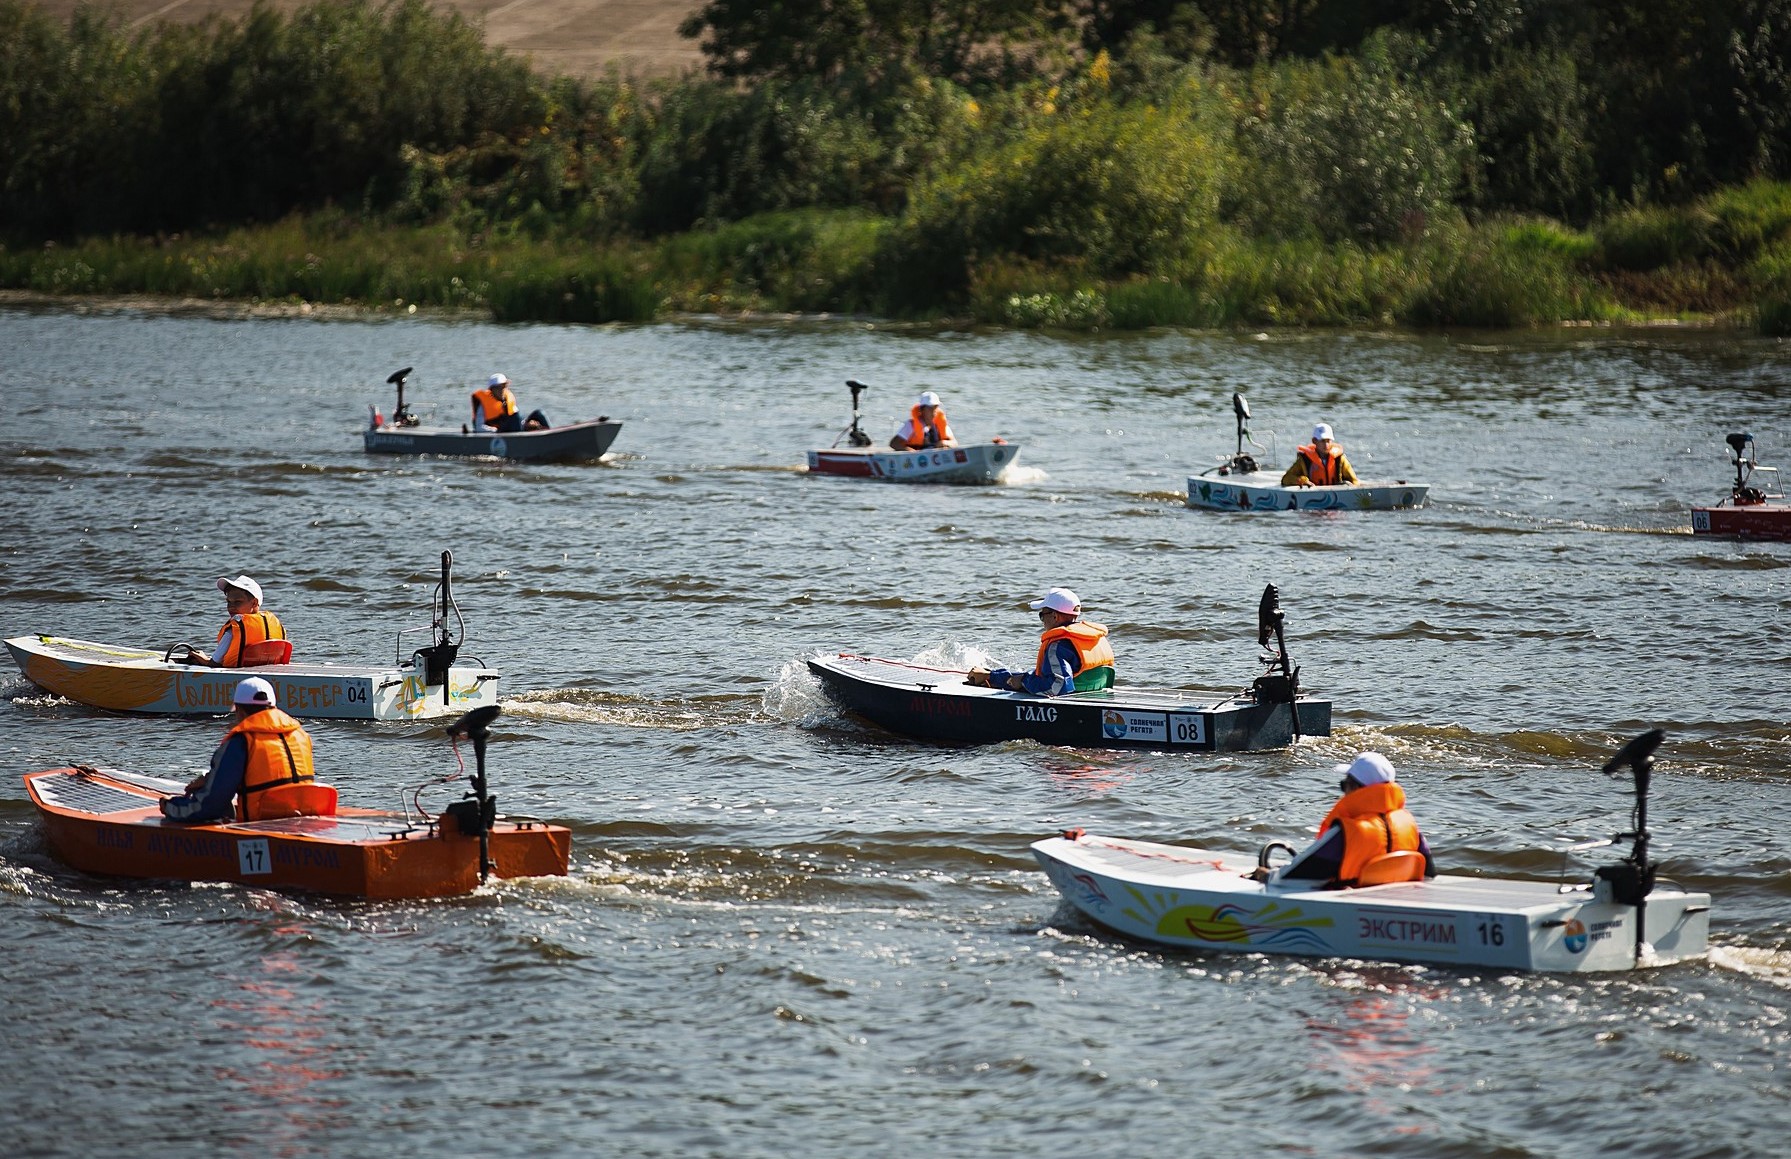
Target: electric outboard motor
[(402, 417), (853, 434), (436, 660), (1632, 879), (1744, 467), (1282, 687), (1240, 463)]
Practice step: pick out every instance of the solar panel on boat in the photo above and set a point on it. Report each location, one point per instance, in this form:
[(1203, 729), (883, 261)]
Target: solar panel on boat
[(90, 796)]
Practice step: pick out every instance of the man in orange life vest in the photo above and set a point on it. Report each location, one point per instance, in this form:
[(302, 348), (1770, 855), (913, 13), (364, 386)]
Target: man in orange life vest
[(1370, 819), (1074, 654), (245, 636), (494, 408), (926, 427), (1319, 463), (263, 760)]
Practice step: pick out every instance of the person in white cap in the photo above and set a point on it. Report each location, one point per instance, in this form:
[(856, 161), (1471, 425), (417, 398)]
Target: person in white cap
[(1074, 654), (926, 426), (249, 635), (1319, 463), (495, 409), (261, 769), (1370, 819)]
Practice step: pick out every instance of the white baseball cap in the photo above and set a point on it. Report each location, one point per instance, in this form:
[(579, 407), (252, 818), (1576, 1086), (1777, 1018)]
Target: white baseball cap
[(254, 690), (928, 398), (1321, 431), (1369, 769), (1058, 600), (241, 583), (497, 380)]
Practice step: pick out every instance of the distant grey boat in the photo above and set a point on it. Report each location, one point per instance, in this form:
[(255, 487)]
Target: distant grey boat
[(586, 440), (403, 435)]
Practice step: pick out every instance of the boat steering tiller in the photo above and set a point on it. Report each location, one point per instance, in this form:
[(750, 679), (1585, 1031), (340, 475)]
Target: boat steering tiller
[(1275, 687), (854, 435), (477, 811)]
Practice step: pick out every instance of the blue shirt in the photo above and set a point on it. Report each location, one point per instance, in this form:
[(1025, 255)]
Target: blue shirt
[(215, 799), (1059, 677)]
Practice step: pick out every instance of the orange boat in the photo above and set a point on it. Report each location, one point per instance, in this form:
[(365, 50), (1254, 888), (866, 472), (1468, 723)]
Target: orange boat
[(109, 822)]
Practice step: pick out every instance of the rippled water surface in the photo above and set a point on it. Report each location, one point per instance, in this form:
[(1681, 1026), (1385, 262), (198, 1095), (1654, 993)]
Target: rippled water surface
[(787, 933)]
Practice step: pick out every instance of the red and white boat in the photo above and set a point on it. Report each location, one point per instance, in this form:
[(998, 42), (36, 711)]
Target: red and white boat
[(965, 463), (1753, 509)]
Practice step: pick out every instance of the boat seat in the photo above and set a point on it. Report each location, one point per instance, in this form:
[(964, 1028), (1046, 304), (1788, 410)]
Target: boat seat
[(267, 652), (310, 800), (1405, 865)]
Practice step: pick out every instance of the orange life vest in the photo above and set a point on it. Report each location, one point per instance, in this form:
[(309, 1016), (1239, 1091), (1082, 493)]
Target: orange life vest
[(1324, 472), (252, 629), (492, 406), (279, 760), (1094, 654), (925, 435), (1374, 821)]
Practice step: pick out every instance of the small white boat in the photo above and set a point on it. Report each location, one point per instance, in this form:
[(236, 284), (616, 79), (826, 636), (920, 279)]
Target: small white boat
[(431, 683), (858, 459), (1240, 483), (1200, 899)]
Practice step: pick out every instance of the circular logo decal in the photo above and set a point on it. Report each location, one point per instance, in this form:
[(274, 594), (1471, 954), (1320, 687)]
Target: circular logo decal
[(1573, 934), (499, 447)]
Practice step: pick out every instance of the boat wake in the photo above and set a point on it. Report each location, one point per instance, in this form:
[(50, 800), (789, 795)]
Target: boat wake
[(589, 706), (1771, 966), (1018, 476), (797, 697)]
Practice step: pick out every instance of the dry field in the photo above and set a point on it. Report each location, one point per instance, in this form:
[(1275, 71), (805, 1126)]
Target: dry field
[(581, 37)]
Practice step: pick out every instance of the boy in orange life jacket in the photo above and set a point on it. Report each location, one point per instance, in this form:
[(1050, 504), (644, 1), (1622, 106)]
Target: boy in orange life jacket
[(1074, 654), (926, 427), (247, 626), (1369, 820), (495, 408), (1319, 463), (264, 750)]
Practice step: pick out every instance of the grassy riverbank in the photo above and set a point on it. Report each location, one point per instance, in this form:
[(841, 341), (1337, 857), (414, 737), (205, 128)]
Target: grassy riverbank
[(1099, 176), (1726, 258)]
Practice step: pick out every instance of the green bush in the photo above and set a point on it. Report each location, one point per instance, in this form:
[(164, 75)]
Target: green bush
[(802, 260), (710, 153), (1649, 237), (1486, 279), (1113, 189), (556, 288), (1746, 219), (1769, 275), (1528, 109), (1346, 149)]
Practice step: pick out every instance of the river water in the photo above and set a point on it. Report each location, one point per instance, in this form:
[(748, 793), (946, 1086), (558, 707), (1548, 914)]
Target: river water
[(787, 933)]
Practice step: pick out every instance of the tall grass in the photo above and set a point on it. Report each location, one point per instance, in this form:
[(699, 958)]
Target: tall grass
[(1500, 274)]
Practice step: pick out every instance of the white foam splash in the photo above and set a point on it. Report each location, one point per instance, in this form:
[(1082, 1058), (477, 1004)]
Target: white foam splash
[(1772, 966)]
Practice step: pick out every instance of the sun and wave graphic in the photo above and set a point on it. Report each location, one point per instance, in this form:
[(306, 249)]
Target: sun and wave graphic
[(1264, 925)]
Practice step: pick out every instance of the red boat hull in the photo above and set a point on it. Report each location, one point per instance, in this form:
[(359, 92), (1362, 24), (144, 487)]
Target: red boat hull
[(1755, 521), (106, 823)]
